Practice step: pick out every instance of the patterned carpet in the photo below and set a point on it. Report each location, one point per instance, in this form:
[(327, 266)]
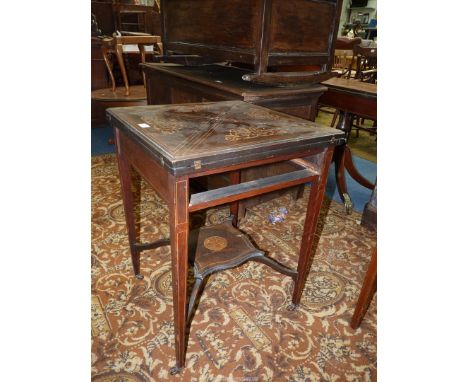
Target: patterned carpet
[(241, 330)]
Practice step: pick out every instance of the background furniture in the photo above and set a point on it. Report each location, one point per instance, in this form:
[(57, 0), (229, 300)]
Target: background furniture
[(160, 143), (99, 74), (117, 45), (345, 56), (366, 63), (351, 98), (259, 33), (368, 289), (120, 96), (173, 84), (343, 65), (369, 215), (115, 15)]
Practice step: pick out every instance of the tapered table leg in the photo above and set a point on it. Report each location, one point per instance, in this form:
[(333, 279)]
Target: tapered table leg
[(317, 192), (369, 286), (126, 185), (179, 227), (234, 177)]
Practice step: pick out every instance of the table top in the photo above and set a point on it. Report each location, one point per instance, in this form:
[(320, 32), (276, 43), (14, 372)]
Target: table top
[(190, 138), (229, 79), (352, 86)]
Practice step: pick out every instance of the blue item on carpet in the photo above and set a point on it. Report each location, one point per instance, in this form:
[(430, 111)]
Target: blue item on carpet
[(359, 195), (100, 136)]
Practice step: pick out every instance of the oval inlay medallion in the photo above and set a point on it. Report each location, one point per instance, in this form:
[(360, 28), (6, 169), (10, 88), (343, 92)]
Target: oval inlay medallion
[(215, 243)]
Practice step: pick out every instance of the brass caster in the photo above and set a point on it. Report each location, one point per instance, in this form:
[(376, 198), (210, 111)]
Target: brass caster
[(348, 204), (175, 370), (139, 276), (291, 307)]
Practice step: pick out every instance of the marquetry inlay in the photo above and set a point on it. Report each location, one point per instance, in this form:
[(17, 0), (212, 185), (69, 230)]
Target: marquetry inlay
[(215, 243)]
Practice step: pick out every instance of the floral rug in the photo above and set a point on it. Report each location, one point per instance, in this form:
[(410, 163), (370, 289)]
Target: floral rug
[(241, 330)]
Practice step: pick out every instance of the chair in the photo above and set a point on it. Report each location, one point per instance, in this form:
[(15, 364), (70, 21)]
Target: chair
[(366, 71), (344, 55), (369, 287), (344, 62), (117, 45), (366, 63), (127, 95)]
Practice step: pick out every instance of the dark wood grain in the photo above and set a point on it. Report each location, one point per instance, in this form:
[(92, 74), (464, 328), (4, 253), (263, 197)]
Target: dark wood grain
[(350, 97), (248, 189), (207, 79), (234, 178), (317, 192), (179, 228), (261, 33), (181, 84), (151, 154), (192, 138), (126, 182)]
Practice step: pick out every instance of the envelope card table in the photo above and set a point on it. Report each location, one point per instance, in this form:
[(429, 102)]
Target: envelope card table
[(170, 145)]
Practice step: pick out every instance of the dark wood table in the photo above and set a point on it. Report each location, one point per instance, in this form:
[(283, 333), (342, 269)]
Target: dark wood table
[(173, 84), (170, 145), (350, 97)]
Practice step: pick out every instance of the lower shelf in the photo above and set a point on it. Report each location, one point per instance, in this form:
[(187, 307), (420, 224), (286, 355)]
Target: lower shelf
[(220, 247)]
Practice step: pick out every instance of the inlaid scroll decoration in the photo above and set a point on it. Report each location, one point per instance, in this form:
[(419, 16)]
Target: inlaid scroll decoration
[(245, 133), (263, 114)]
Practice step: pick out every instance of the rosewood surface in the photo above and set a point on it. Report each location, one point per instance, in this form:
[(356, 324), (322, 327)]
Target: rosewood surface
[(261, 33), (350, 97), (173, 84), (169, 145)]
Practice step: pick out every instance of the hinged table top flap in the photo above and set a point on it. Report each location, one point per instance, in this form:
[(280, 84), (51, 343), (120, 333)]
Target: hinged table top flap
[(215, 132)]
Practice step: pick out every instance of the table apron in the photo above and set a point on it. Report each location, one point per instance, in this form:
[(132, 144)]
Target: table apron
[(365, 106), (145, 165)]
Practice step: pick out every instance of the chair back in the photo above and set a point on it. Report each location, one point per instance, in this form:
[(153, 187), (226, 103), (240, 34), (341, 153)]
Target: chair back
[(366, 63), (344, 55), (129, 40)]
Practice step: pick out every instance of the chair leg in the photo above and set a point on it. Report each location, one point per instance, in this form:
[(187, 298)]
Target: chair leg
[(335, 116), (357, 128), (369, 286)]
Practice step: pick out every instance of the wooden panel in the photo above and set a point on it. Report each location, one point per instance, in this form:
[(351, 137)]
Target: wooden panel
[(99, 77), (352, 96), (104, 16), (146, 166), (225, 82), (301, 26), (231, 23), (177, 84), (261, 33), (248, 189)]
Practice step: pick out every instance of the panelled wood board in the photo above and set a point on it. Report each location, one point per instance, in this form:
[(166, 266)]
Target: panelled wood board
[(262, 33)]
